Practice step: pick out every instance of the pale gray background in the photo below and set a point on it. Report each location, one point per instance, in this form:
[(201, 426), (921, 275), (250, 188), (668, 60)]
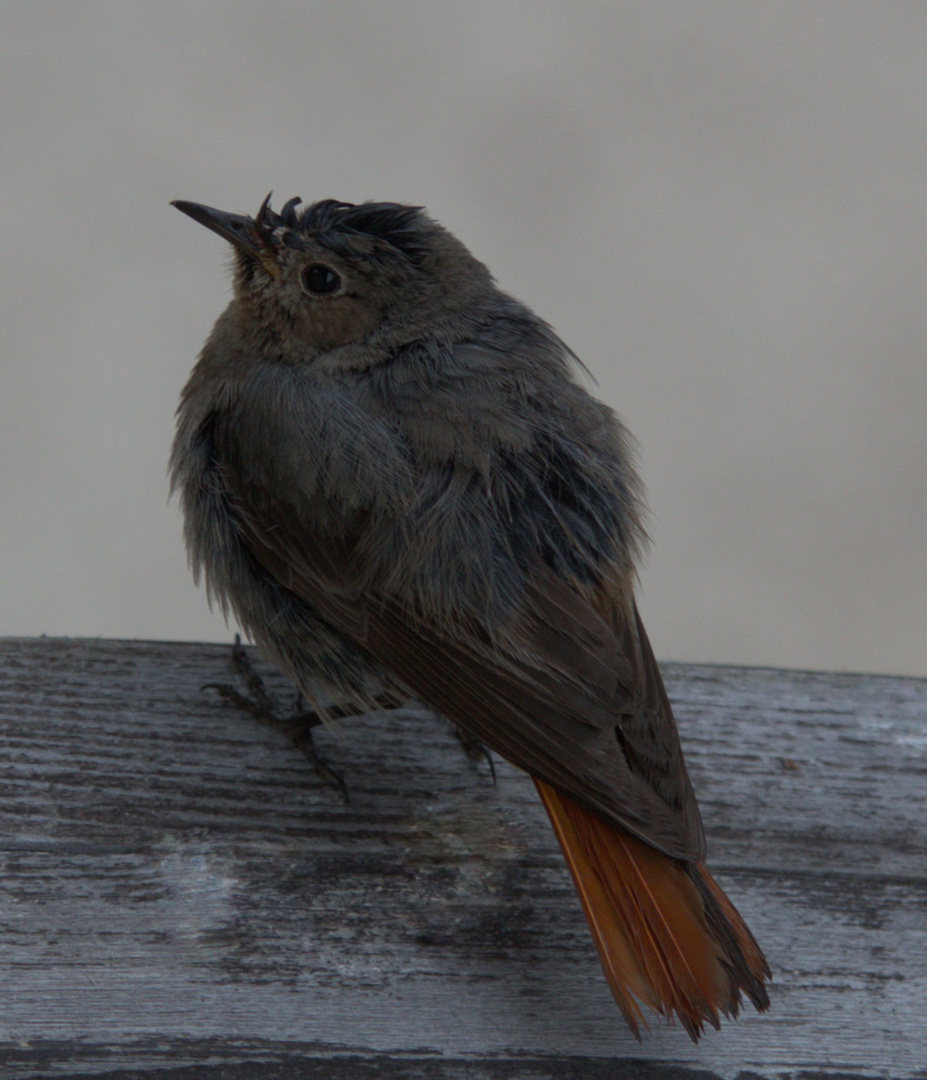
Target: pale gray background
[(721, 206)]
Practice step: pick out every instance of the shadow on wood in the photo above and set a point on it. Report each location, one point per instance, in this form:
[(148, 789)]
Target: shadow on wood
[(181, 896)]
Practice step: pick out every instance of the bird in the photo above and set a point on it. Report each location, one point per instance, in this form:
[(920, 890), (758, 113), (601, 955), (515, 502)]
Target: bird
[(392, 475)]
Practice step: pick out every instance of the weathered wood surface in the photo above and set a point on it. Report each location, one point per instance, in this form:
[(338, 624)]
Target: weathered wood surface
[(181, 896)]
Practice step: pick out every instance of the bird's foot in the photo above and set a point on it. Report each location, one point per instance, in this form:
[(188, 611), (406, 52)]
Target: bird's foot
[(297, 725)]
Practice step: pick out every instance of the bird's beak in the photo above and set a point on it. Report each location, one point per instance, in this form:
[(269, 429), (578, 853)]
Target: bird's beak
[(239, 230)]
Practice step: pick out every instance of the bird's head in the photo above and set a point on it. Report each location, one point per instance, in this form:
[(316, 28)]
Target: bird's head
[(312, 281)]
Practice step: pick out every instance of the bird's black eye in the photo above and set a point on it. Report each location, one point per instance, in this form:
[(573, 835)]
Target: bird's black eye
[(319, 280)]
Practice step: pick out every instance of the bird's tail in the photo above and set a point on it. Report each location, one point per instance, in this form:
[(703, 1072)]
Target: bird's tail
[(667, 935)]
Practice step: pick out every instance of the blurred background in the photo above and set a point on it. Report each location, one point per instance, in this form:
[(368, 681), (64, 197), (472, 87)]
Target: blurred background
[(721, 207)]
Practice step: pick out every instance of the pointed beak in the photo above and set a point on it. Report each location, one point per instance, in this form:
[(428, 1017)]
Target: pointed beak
[(236, 228)]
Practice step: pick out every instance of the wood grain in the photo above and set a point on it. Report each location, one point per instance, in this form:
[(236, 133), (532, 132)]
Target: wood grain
[(182, 897)]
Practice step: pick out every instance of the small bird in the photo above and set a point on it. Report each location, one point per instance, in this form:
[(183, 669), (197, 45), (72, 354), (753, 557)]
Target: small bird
[(391, 474)]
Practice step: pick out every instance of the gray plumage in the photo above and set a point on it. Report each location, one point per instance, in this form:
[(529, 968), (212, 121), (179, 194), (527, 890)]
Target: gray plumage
[(401, 481)]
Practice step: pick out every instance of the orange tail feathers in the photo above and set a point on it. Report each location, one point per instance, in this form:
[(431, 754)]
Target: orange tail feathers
[(666, 933)]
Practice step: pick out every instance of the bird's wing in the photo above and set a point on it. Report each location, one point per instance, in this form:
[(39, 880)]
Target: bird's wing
[(570, 692)]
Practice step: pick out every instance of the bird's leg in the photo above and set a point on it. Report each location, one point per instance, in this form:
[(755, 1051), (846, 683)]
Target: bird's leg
[(474, 749), (298, 724), (260, 703)]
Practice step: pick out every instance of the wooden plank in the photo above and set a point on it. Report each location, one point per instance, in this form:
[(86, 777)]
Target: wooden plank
[(181, 896)]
